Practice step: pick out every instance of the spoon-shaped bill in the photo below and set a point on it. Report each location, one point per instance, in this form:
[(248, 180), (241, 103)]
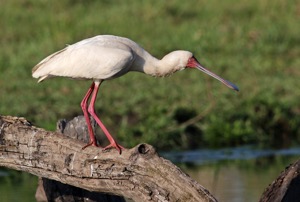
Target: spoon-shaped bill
[(193, 63), (227, 83)]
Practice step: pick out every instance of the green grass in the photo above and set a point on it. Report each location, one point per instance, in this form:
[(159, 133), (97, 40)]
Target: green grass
[(254, 44)]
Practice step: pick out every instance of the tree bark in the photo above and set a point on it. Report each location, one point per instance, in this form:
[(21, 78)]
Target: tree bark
[(286, 188), (138, 173), (51, 190)]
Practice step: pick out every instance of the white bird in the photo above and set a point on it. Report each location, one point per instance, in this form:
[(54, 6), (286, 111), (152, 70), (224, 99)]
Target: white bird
[(106, 57)]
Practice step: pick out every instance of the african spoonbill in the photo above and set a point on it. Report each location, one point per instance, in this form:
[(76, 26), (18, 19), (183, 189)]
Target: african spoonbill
[(107, 57)]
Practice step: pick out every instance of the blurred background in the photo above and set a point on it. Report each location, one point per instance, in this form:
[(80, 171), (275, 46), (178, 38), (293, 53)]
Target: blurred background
[(189, 117)]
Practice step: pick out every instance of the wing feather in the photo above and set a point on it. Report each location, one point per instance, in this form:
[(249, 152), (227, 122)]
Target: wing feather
[(87, 59)]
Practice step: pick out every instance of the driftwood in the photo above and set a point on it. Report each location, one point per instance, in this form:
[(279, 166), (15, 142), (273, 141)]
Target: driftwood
[(138, 174), (51, 190), (72, 174), (286, 188)]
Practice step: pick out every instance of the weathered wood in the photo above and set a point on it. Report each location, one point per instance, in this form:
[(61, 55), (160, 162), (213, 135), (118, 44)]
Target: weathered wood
[(286, 187), (139, 173), (51, 190)]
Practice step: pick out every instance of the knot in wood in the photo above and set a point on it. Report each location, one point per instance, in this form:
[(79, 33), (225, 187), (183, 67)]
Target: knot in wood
[(145, 150), (142, 149)]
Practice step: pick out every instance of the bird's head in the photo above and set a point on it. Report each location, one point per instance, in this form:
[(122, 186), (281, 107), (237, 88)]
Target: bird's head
[(192, 62), (180, 59), (177, 60)]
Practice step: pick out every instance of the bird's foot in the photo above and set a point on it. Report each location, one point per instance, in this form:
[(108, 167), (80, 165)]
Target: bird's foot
[(115, 145), (91, 144), (112, 145)]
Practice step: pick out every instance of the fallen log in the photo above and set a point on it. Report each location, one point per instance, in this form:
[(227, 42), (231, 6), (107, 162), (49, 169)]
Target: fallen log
[(139, 173), (286, 188)]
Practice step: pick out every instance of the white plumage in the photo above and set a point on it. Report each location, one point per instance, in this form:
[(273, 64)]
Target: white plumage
[(106, 57)]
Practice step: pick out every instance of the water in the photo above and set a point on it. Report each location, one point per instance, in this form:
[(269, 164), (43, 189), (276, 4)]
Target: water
[(233, 174), (205, 156), (234, 184), (17, 186)]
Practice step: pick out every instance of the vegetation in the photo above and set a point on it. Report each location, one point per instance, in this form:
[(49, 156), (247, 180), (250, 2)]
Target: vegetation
[(254, 44)]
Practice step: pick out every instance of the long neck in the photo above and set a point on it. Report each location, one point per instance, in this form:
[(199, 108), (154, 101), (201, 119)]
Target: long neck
[(152, 66)]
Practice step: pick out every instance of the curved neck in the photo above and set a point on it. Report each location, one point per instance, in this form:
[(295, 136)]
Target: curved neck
[(152, 66)]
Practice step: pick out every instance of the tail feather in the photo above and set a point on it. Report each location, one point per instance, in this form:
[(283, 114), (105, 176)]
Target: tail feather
[(39, 66)]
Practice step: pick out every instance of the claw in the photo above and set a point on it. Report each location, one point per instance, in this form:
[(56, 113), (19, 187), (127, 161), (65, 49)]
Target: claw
[(90, 144), (114, 145)]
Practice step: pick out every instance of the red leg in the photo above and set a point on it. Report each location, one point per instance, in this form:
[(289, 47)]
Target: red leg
[(84, 107), (91, 110)]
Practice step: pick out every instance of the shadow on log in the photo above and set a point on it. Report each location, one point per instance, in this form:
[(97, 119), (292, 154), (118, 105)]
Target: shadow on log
[(138, 174)]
